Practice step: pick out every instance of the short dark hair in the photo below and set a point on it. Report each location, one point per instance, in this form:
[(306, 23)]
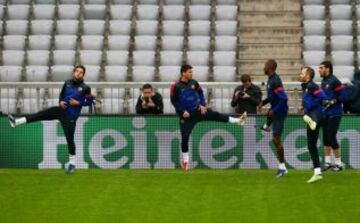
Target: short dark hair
[(272, 63), (81, 67), (147, 86), (328, 64), (185, 68), (310, 71), (245, 78)]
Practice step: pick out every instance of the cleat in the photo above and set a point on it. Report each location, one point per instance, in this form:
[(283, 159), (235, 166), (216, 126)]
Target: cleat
[(12, 120), (326, 167), (185, 165), (70, 168), (243, 118), (281, 173), (310, 122), (261, 127), (337, 168), (315, 178)]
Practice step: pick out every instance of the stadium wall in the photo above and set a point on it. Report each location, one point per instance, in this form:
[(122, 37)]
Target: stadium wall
[(113, 142)]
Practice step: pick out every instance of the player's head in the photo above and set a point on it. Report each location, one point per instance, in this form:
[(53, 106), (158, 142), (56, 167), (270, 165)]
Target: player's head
[(147, 90), (246, 80), (325, 69), (79, 72), (186, 71), (307, 74), (270, 67)]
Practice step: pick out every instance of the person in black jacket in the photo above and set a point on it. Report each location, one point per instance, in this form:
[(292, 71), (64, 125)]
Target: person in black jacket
[(246, 97), (149, 102)]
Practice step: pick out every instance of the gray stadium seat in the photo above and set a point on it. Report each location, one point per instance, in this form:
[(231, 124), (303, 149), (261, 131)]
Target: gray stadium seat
[(103, 2), (201, 73), (342, 12), (173, 12), (314, 27), (117, 57), (8, 105), (171, 58), (143, 73), (145, 42), (65, 42), (311, 12), (123, 2), (146, 27), (200, 12), (225, 43), (224, 58), (201, 28), (144, 57), (121, 12), (173, 27), (224, 73), (90, 57), (42, 27), (96, 11), (341, 42), (149, 2), (314, 42), (198, 57), (92, 42), (116, 73), (94, 27), (92, 73), (174, 2), (38, 57), (314, 2), (201, 2), (342, 58), (18, 11), (120, 27), (37, 73), (226, 28), (13, 57), (8, 93), (16, 27), (69, 12), (10, 73), (64, 57), (67, 27), (118, 42), (14, 42), (147, 12), (44, 11), (175, 43), (313, 58), (19, 2), (226, 2), (61, 72), (50, 2), (200, 43), (169, 73), (344, 72), (39, 42), (334, 2), (341, 27), (226, 12)]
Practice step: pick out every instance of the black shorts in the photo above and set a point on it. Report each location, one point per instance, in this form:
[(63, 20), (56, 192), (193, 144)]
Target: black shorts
[(278, 125)]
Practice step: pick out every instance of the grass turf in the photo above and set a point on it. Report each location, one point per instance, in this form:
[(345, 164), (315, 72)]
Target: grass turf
[(172, 196)]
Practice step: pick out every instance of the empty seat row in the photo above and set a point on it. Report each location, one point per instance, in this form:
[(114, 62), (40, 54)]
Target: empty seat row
[(312, 58), (337, 12), (338, 42), (337, 27)]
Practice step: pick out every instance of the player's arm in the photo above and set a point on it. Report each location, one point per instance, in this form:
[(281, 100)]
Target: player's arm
[(319, 96), (201, 94), (88, 98), (340, 91), (62, 92), (279, 91), (174, 97)]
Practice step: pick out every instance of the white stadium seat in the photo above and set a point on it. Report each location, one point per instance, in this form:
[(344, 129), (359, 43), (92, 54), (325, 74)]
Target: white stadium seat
[(65, 42), (144, 57), (121, 12), (340, 12), (16, 27), (171, 58), (311, 12), (200, 73), (19, 2), (172, 43), (44, 11), (169, 73), (38, 57), (13, 57), (112, 106), (314, 42), (201, 28), (69, 11), (222, 105), (201, 43), (123, 2), (200, 12), (92, 42), (148, 2), (335, 2), (201, 2), (14, 42), (94, 27), (18, 11), (147, 12), (114, 93), (145, 42), (198, 57), (224, 58), (224, 73), (33, 92), (8, 105), (341, 42), (313, 58), (90, 57), (146, 27), (219, 93), (39, 42), (42, 27), (64, 57), (37, 73), (226, 28), (341, 27), (226, 2), (314, 2), (314, 27), (120, 27), (143, 73), (225, 43), (118, 42), (10, 73), (173, 27), (117, 57), (61, 72), (344, 72), (173, 12), (95, 2), (94, 11), (174, 2), (32, 105), (116, 73), (226, 12), (92, 73), (342, 58), (67, 27), (8, 93)]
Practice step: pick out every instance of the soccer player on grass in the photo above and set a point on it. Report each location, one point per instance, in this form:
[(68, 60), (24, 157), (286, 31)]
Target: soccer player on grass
[(336, 93), (277, 97), (74, 95), (188, 99), (312, 99)]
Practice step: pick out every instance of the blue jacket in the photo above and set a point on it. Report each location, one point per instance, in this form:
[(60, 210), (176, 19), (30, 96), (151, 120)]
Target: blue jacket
[(334, 89), (79, 91), (276, 96), (312, 99), (187, 96)]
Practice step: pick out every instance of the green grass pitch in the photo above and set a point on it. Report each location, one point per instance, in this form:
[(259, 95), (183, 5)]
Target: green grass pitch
[(173, 196)]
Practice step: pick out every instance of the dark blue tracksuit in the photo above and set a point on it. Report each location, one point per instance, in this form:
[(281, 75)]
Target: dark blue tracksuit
[(312, 99), (277, 97), (71, 89), (333, 89), (188, 96)]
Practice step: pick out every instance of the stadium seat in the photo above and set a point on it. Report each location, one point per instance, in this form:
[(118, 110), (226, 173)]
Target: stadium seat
[(18, 11), (317, 77), (314, 27), (344, 72), (69, 12), (64, 57), (171, 58), (334, 2), (146, 27), (199, 12), (224, 73), (201, 28), (95, 2), (16, 27), (38, 57), (94, 27), (314, 2), (14, 42), (198, 57), (143, 73), (224, 58), (118, 42), (65, 42), (149, 2), (117, 57), (92, 42), (145, 42), (32, 105), (175, 43), (219, 93), (39, 42), (42, 27), (340, 12), (8, 93), (116, 93), (147, 12), (174, 2), (226, 2), (226, 12), (19, 2), (44, 11), (200, 73), (10, 73), (112, 106), (13, 57), (8, 105), (201, 2), (90, 57), (50, 2), (37, 73), (116, 73), (134, 93), (222, 105), (33, 92), (341, 27), (92, 73), (342, 58), (120, 27), (144, 57), (313, 58), (69, 1), (225, 43), (61, 72), (226, 28), (311, 12), (200, 43), (314, 42), (121, 12), (96, 11), (172, 27), (169, 73), (67, 27), (341, 42), (173, 12)]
